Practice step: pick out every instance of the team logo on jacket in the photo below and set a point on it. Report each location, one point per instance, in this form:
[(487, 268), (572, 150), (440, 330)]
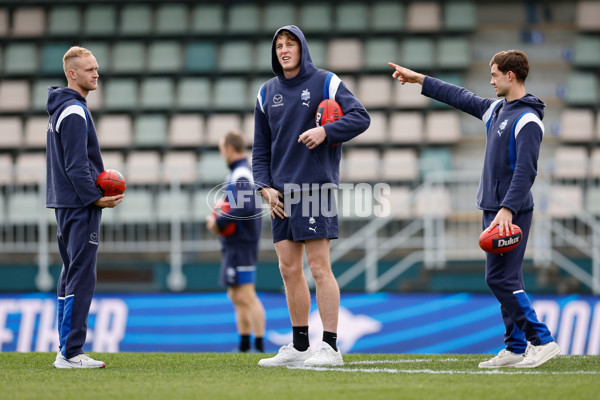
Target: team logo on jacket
[(305, 97), (277, 100), (502, 126)]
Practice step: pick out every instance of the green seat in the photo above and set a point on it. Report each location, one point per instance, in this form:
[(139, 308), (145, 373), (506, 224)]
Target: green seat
[(315, 17), (193, 93), (171, 19), (164, 57), (351, 17), (200, 57), (100, 20), (460, 16), (169, 206), (24, 208), (120, 94), (435, 159), (207, 18), (64, 20), (378, 52), (253, 88), (387, 16), (101, 51), (230, 94), (150, 131), (213, 168), (52, 55), (136, 19), (128, 57), (262, 56), (318, 52), (137, 207), (21, 58), (243, 18), (277, 15), (418, 53), (592, 200), (582, 89), (40, 92), (235, 56), (454, 53), (157, 93), (202, 204), (587, 51)]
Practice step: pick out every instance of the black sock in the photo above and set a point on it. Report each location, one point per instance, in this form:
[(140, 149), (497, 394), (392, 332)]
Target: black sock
[(244, 343), (300, 337), (258, 344), (330, 338)]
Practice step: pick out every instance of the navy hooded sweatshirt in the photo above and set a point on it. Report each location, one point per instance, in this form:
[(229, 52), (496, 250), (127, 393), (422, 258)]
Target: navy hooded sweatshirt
[(285, 108), (514, 136), (73, 159)]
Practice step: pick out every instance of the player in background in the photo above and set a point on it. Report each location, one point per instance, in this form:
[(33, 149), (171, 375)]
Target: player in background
[(514, 134), (73, 162), (240, 250), (289, 151)]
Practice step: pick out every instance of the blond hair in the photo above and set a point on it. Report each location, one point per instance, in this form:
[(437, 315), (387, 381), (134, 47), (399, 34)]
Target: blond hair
[(71, 54)]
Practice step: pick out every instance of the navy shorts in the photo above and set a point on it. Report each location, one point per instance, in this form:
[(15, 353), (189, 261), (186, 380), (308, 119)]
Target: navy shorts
[(311, 215), (238, 266)]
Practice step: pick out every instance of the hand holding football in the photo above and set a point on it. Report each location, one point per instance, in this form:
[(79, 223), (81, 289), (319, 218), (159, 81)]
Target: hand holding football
[(111, 183), (493, 243)]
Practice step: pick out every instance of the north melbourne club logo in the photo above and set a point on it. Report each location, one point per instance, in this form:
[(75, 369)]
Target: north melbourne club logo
[(94, 238), (305, 97), (502, 126)]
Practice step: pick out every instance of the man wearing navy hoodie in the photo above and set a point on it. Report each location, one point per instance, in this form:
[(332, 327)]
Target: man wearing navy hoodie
[(73, 162), (296, 169), (514, 134)]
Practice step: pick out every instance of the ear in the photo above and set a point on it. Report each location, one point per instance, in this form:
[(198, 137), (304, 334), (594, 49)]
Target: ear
[(511, 76)]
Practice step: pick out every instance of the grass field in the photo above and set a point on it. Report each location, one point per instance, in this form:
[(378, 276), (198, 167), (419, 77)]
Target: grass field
[(177, 376)]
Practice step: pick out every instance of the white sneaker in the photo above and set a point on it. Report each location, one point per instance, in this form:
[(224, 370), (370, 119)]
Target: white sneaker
[(505, 358), (79, 361), (287, 356), (537, 355), (325, 355)]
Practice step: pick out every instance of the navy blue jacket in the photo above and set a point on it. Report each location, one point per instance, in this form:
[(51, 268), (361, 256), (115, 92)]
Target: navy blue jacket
[(285, 108), (514, 135), (73, 159), (245, 210)]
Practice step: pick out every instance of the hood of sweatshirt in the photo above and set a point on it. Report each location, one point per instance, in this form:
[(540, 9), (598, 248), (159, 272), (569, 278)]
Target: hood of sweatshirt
[(307, 68), (57, 96)]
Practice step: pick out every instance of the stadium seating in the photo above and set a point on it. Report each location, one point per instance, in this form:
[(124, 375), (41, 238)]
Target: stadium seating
[(136, 20), (121, 94), (571, 162), (460, 16), (376, 133), (200, 57), (164, 57), (375, 91), (212, 167), (21, 58), (115, 131), (193, 94), (592, 200), (423, 17), (360, 165), (186, 130), (150, 130), (171, 19), (277, 15), (345, 55), (24, 208), (157, 93), (378, 52), (244, 18), (4, 22), (577, 125), (587, 16), (406, 128), (29, 22), (400, 165), (14, 95), (143, 167), (565, 201), (36, 132), (387, 16), (6, 165), (582, 89), (180, 165), (12, 132), (442, 127), (315, 17), (435, 159), (586, 51), (351, 17), (30, 168), (128, 57), (100, 20)]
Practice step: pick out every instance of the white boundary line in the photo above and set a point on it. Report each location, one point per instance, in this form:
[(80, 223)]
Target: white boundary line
[(444, 372), (408, 361)]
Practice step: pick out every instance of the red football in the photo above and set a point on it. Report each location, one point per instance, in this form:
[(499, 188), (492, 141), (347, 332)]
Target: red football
[(222, 207), (111, 183), (328, 111), (493, 243)]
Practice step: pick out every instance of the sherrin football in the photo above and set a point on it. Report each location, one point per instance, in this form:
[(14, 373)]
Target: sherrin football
[(222, 207), (111, 183), (328, 111), (493, 243)]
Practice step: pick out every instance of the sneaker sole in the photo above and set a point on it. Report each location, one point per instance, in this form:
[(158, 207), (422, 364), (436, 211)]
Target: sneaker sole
[(550, 356), (291, 364), (334, 364), (498, 366)]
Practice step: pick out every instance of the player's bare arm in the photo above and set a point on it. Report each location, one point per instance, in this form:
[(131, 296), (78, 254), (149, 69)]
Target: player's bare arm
[(313, 137), (109, 201), (211, 224), (405, 75), (275, 200)]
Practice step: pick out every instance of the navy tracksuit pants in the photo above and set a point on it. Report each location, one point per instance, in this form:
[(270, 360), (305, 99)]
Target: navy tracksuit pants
[(78, 238), (504, 277)]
